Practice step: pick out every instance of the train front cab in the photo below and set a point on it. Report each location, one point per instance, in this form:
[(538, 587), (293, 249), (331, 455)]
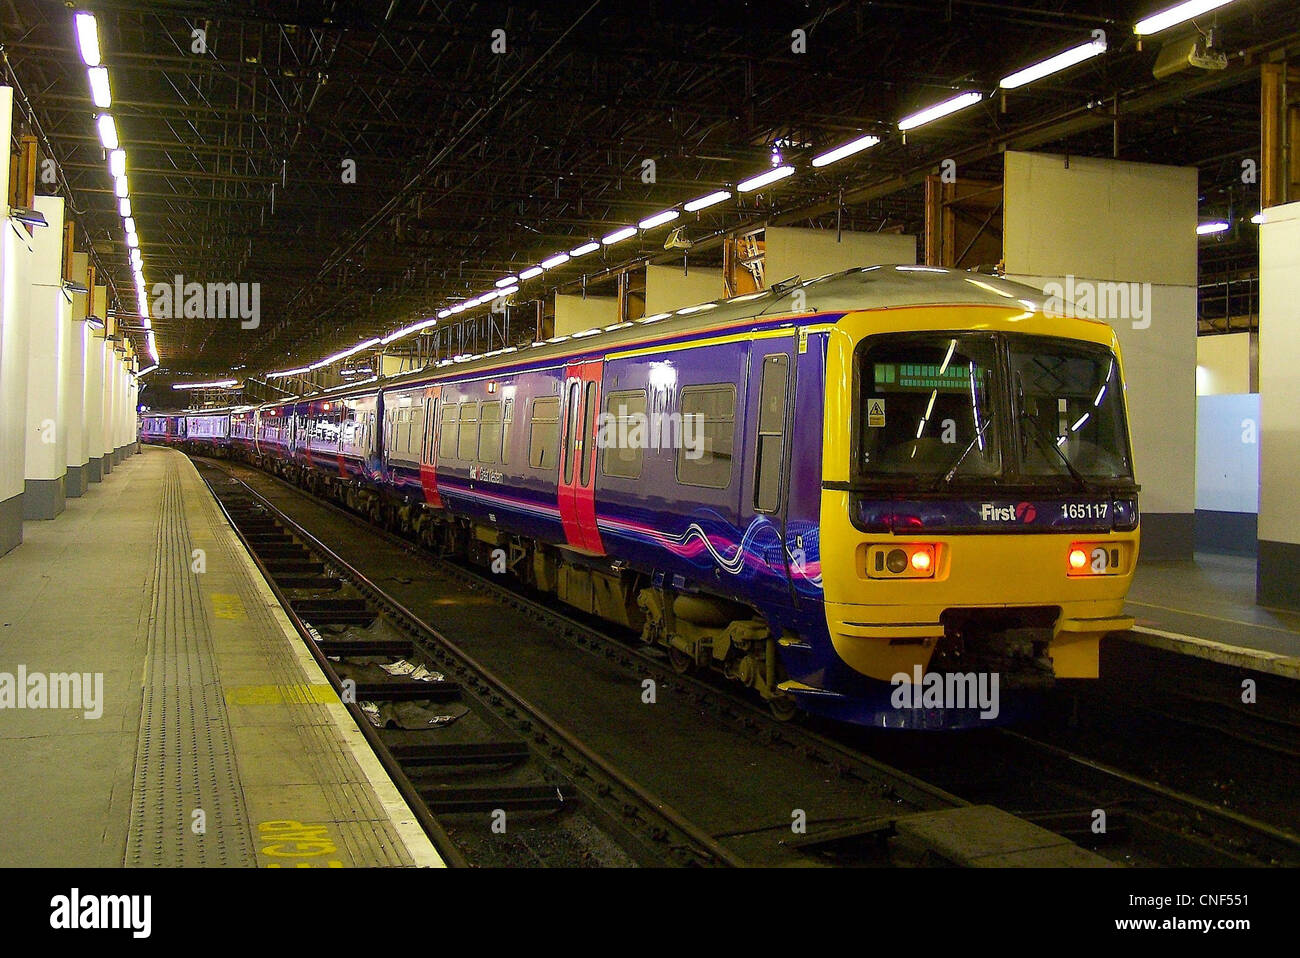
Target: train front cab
[(979, 515)]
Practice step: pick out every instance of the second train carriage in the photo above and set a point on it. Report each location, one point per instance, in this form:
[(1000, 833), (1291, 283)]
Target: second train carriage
[(888, 473)]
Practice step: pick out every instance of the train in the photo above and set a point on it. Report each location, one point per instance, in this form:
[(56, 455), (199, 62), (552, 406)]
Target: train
[(894, 496)]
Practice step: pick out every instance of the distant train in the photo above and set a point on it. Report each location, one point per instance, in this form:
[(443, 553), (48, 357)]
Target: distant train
[(864, 496)]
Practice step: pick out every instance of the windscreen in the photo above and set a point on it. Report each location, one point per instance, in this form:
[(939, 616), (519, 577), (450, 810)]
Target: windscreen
[(926, 406), (1069, 405)]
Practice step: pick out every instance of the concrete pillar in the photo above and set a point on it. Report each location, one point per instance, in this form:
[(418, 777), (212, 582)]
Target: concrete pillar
[(93, 400), (106, 423), (112, 404), (15, 264), (1118, 240), (119, 419), (139, 363), (74, 376), (132, 403), (1277, 577), (47, 446)]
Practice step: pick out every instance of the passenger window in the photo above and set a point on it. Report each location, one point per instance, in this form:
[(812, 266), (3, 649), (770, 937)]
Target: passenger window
[(626, 412), (544, 433), (507, 417), (430, 419), (447, 437), (489, 436), (771, 433), (467, 446), (708, 431), (588, 437)]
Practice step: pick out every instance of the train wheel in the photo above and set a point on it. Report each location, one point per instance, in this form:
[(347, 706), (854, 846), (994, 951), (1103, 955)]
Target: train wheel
[(680, 661), (783, 708)]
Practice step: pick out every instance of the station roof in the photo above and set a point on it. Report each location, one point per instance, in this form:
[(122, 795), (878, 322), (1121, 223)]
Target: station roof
[(242, 123)]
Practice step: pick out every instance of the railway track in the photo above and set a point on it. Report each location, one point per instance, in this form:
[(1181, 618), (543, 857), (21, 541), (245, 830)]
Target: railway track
[(1147, 823), (509, 760)]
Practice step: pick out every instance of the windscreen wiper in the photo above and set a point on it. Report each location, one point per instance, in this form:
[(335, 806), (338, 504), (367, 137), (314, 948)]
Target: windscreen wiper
[(952, 471), (1045, 443)]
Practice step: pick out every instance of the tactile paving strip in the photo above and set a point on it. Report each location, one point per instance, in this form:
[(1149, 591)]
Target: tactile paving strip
[(184, 761)]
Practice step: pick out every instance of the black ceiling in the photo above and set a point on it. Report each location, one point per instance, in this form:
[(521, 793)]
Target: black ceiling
[(471, 163)]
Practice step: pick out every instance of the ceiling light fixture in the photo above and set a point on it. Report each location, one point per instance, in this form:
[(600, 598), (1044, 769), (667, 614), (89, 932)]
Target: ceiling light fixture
[(218, 384), (107, 131), (703, 202), (618, 235), (659, 219), (584, 249), (1062, 61), (932, 113), (763, 179), (531, 272), (1179, 13), (88, 38), (99, 91), (558, 259), (848, 149)]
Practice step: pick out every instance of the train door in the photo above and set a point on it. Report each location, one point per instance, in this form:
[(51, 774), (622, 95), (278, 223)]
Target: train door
[(429, 447), (577, 485), (768, 428)]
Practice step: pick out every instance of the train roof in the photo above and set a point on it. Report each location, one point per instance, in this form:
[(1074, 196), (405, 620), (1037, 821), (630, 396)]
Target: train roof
[(861, 288), (857, 289)]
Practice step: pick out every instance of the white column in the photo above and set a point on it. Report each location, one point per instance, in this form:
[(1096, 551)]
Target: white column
[(74, 377), (15, 263), (94, 393), (47, 456), (106, 421), (1119, 239), (112, 382), (1277, 577), (132, 403)]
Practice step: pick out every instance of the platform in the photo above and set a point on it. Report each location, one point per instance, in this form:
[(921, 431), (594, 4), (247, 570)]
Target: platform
[(216, 739), (1206, 608)]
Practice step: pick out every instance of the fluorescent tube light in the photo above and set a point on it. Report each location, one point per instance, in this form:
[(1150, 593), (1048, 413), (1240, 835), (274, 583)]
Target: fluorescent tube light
[(107, 131), (771, 176), (1175, 15), (650, 222), (99, 91), (87, 38), (618, 235), (1062, 61), (848, 149), (932, 113)]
